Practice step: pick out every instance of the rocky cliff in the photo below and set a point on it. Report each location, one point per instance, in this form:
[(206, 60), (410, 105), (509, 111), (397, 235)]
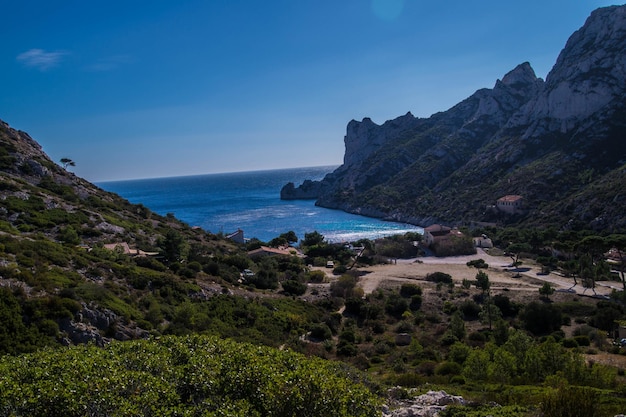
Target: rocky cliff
[(549, 141)]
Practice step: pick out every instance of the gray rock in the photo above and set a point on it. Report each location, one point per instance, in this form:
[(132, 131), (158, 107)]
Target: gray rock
[(425, 405), (100, 319)]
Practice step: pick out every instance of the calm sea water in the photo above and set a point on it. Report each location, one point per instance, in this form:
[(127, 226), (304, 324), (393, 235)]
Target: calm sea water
[(251, 201)]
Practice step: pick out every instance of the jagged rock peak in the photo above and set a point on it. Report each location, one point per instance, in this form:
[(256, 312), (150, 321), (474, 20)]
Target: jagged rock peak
[(368, 122), (522, 74)]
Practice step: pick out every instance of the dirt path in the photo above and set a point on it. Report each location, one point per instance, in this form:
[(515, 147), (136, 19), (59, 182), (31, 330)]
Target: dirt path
[(500, 274)]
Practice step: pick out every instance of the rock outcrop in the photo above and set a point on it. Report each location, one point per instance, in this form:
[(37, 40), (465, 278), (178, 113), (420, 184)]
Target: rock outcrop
[(524, 136), (425, 405), (308, 190)]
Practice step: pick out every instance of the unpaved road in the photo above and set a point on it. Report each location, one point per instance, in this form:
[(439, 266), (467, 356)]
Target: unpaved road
[(500, 274)]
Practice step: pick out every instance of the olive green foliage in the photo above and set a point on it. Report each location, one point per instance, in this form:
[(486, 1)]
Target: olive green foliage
[(505, 305), (314, 246), (398, 246), (454, 245), (439, 277), (180, 376), (485, 411), (16, 335), (482, 282), (283, 239), (344, 287), (293, 287), (523, 360), (6, 159), (540, 318), (409, 290), (316, 276), (568, 401), (606, 315), (546, 290), (269, 322), (174, 246), (478, 263)]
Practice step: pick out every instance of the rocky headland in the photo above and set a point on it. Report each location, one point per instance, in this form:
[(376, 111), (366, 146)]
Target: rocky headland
[(560, 143)]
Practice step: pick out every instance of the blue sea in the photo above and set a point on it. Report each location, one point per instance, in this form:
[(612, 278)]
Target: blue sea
[(251, 201)]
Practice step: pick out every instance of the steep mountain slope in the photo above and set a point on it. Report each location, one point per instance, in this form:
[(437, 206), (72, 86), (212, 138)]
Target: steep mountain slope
[(550, 142), (59, 284)]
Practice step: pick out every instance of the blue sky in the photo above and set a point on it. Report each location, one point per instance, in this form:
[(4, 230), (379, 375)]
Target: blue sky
[(139, 89)]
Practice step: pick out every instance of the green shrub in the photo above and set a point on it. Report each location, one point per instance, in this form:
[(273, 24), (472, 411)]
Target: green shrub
[(582, 340), (470, 309), (409, 290), (321, 332), (316, 276), (416, 302), (457, 380), (181, 376), (293, 287), (477, 337), (540, 318), (569, 343), (340, 269), (427, 367), (478, 263), (571, 402), (439, 277), (448, 368), (396, 305)]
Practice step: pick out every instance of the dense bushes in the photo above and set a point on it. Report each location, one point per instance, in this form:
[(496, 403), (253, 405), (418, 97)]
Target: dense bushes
[(17, 336), (180, 376), (571, 402), (540, 318), (453, 246), (399, 246)]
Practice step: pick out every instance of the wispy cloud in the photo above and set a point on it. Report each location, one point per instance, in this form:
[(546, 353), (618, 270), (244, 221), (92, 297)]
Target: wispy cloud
[(40, 59)]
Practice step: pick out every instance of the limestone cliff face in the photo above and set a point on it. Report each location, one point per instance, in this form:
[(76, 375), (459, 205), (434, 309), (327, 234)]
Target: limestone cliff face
[(588, 76), (523, 136)]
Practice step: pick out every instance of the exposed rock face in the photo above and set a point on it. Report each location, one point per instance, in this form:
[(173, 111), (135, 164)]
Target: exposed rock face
[(91, 322), (425, 405), (524, 136), (308, 190)]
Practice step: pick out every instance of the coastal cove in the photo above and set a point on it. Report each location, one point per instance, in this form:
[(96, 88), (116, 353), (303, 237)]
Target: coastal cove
[(250, 201)]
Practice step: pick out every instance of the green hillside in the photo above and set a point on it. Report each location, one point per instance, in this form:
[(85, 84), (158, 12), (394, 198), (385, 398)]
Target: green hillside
[(174, 327)]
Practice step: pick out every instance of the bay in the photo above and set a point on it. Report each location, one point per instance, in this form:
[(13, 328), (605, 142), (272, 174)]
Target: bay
[(250, 201)]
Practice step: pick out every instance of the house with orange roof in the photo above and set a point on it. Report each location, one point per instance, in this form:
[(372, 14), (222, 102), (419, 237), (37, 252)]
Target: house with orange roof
[(510, 204), (435, 232)]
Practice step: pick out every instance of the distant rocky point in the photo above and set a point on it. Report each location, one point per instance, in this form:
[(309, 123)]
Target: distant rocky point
[(559, 143)]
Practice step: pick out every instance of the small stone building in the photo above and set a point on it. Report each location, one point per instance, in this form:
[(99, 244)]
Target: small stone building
[(510, 204)]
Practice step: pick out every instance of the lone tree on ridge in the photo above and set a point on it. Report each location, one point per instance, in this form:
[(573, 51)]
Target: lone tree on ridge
[(67, 162)]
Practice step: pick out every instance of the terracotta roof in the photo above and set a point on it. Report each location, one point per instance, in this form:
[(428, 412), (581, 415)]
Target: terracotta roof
[(510, 198), (437, 229)]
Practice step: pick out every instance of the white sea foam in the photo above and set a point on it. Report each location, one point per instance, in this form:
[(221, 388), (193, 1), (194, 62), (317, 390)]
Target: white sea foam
[(251, 202)]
